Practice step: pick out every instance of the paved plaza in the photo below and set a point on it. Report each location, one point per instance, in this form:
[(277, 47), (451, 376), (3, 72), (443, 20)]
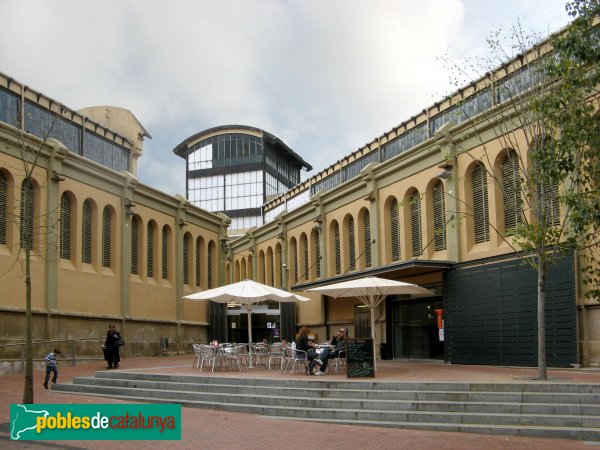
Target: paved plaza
[(209, 429)]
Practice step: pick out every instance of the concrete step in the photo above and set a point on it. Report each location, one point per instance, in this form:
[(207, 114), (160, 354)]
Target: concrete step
[(527, 409), (384, 399)]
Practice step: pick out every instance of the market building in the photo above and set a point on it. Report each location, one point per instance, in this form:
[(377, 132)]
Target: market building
[(105, 247)]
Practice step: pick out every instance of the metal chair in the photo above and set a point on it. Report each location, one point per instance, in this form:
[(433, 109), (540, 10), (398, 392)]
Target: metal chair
[(260, 353), (340, 360), (206, 354), (297, 357), (276, 354)]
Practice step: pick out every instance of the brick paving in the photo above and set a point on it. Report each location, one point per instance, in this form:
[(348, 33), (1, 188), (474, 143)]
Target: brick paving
[(208, 429)]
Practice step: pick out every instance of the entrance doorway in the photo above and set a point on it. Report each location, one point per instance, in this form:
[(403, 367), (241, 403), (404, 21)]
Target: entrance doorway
[(414, 329), (266, 323)]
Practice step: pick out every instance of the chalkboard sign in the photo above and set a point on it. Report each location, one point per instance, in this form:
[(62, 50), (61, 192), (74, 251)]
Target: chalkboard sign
[(360, 361)]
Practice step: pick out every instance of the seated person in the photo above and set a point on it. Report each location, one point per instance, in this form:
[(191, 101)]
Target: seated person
[(302, 343), (337, 345)]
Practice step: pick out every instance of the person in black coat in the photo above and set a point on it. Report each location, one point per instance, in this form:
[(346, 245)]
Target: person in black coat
[(111, 347)]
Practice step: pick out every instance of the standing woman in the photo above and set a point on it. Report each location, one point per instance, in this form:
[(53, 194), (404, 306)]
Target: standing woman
[(113, 338)]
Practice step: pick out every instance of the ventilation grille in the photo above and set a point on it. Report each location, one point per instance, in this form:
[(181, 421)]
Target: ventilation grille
[(480, 205), (351, 245), (86, 233), (415, 222), (439, 217), (106, 237), (65, 226), (395, 229)]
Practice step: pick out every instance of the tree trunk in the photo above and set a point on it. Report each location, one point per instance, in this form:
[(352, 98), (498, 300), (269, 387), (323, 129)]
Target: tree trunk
[(28, 238), (541, 320)]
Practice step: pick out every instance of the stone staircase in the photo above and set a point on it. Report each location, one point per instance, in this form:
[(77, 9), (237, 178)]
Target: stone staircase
[(551, 410)]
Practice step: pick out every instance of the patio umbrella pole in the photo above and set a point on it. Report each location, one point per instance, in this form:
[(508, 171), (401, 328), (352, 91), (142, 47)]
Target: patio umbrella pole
[(249, 311), (372, 308)]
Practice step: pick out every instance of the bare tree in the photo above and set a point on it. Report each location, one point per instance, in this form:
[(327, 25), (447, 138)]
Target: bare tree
[(31, 225)]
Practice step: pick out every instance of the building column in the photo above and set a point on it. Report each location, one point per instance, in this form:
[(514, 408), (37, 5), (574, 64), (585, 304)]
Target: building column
[(58, 153), (127, 200)]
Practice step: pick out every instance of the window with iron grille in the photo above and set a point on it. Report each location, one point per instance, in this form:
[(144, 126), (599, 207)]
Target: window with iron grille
[(294, 258), (306, 259), (511, 192), (367, 228), (415, 223), (198, 260), (338, 256), (135, 223), (209, 263), (395, 229), (271, 264), (86, 232), (318, 253), (480, 205), (551, 203), (165, 252), (439, 217), (106, 237), (65, 226), (26, 222), (150, 250), (186, 259), (351, 244), (3, 208)]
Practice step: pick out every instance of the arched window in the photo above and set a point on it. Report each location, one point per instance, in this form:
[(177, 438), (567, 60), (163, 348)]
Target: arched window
[(337, 244), (278, 266), (187, 243), (107, 237), (415, 224), (26, 222), (305, 258), (481, 225), (294, 259), (236, 271), (262, 265), (66, 209), (367, 237), (270, 268), (86, 232), (316, 246), (165, 253), (439, 217), (511, 192), (3, 208), (351, 244), (135, 244), (395, 229), (210, 272), (150, 249), (551, 203), (199, 261)]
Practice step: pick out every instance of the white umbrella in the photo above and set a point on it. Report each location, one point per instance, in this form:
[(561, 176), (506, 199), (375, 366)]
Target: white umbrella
[(371, 291), (246, 293)]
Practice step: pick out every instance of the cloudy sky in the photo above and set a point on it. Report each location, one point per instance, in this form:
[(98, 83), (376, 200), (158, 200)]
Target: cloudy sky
[(325, 76)]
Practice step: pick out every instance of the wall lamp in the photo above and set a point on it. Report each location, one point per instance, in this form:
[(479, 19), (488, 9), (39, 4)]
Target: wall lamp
[(445, 174)]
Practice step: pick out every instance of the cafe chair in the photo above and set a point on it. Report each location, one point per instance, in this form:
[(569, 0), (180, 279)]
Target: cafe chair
[(298, 359), (260, 352), (276, 355), (235, 357), (208, 355), (339, 360)]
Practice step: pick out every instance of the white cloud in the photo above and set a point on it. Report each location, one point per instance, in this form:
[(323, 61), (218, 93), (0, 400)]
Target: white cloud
[(324, 76)]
